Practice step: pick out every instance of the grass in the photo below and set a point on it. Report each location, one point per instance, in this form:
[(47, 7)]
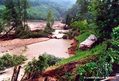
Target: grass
[(97, 50), (84, 36)]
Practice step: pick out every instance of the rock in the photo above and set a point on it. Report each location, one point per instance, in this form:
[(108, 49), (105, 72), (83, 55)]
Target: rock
[(66, 27), (65, 37), (88, 42)]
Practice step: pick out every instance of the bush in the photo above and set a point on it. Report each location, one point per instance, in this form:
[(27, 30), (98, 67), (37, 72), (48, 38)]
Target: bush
[(7, 61), (36, 65), (83, 29), (35, 34), (100, 68), (51, 60), (115, 34), (81, 25), (89, 67), (43, 62)]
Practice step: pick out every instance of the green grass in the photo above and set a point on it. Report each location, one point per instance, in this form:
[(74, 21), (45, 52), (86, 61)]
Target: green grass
[(83, 36), (97, 50)]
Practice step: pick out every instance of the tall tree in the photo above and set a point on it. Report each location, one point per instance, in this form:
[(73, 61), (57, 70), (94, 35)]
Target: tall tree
[(78, 12), (107, 16), (50, 22), (14, 14)]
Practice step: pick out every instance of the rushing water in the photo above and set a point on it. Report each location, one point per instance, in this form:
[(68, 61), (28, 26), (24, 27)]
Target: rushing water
[(57, 47)]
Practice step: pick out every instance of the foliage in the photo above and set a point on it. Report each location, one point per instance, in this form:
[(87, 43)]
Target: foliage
[(83, 36), (81, 25), (39, 8), (2, 7), (102, 67), (85, 29), (68, 76), (50, 19), (99, 68), (7, 61), (115, 34), (40, 12), (113, 50), (13, 15), (85, 54), (50, 22), (1, 28), (36, 65), (72, 14), (102, 12), (78, 12), (51, 60), (107, 17), (41, 64), (87, 68), (94, 69)]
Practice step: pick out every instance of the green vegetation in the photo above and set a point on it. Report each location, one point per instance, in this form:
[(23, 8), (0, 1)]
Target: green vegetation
[(50, 22), (85, 54), (13, 17), (98, 17), (8, 60), (14, 20), (115, 33), (41, 64), (95, 17), (39, 8)]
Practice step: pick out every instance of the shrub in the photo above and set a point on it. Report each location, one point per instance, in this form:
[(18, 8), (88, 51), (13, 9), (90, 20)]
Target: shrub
[(51, 60), (81, 25), (115, 33), (99, 68), (1, 64), (39, 65), (8, 60), (36, 65)]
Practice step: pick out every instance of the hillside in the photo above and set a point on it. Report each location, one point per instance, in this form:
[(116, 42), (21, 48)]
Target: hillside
[(38, 9)]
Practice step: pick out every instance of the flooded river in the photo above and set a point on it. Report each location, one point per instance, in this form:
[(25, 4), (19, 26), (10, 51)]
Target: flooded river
[(32, 48), (56, 47)]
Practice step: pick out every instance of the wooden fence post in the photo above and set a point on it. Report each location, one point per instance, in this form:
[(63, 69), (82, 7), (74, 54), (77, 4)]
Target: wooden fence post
[(16, 73)]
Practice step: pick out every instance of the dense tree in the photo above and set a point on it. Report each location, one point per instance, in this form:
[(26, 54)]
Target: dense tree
[(14, 14), (78, 12), (107, 17), (72, 14), (50, 22), (39, 8)]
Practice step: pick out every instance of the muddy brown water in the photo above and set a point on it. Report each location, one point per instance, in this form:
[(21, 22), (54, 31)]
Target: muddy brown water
[(32, 48), (56, 47)]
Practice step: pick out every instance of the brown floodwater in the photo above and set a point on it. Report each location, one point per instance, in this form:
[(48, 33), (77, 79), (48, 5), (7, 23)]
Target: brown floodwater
[(33, 48), (56, 47)]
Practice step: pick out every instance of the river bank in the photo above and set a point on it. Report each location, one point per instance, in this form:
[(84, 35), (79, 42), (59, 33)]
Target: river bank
[(34, 47)]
